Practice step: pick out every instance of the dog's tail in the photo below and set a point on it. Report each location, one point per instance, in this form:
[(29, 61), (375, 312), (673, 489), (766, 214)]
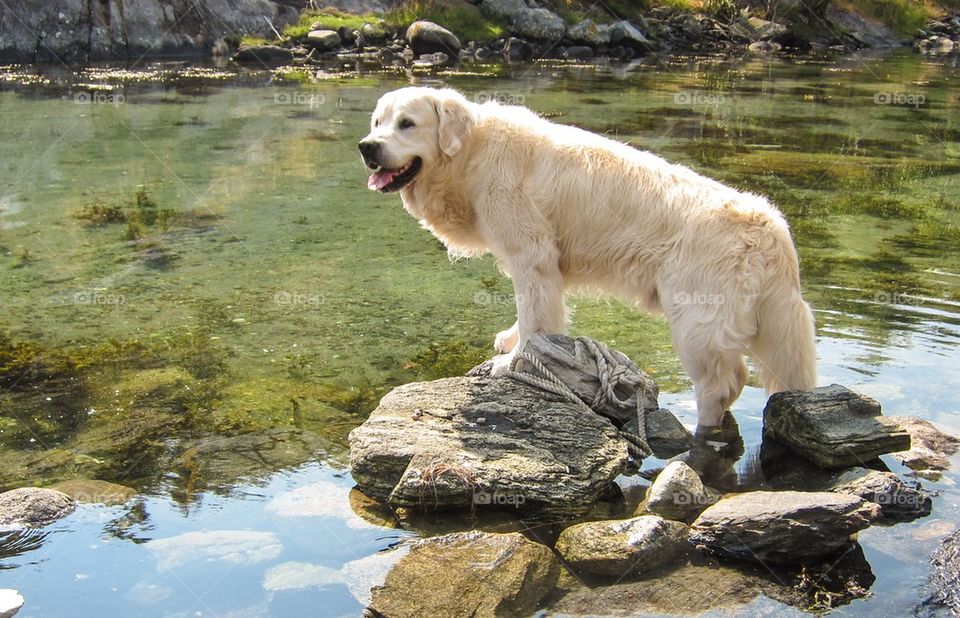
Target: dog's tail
[(785, 345)]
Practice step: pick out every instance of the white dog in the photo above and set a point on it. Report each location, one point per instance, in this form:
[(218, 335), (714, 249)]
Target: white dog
[(562, 208)]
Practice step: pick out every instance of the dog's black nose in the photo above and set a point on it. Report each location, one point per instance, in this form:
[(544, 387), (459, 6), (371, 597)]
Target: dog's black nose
[(369, 149)]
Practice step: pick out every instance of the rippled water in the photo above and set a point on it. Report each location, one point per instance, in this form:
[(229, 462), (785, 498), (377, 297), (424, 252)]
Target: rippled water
[(216, 356)]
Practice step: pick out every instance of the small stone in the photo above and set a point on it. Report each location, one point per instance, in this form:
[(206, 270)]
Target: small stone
[(679, 494), (33, 507), (832, 426), (782, 526), (468, 574), (625, 33), (323, 40), (590, 33), (896, 499), (619, 547)]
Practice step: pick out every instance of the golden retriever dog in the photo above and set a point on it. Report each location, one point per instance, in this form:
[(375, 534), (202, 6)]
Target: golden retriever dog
[(565, 209)]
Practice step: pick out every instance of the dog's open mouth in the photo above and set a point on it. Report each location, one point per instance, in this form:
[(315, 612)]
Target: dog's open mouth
[(385, 180)]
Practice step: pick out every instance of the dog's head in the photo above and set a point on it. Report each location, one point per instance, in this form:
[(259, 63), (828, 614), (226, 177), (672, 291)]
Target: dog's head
[(411, 131)]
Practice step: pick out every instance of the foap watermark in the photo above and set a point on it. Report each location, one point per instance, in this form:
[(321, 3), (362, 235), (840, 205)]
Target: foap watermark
[(96, 297), (293, 299), (496, 498), (697, 298), (98, 97), (686, 498), (912, 500), (896, 298), (699, 97), (295, 97), (494, 298), (504, 98), (912, 99)]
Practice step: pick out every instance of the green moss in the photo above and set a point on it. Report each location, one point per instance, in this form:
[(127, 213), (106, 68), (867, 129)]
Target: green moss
[(464, 20), (253, 41), (903, 16), (447, 358), (327, 19), (142, 216)]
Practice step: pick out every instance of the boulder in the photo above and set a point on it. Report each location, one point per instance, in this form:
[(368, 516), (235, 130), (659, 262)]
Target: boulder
[(897, 500), (782, 526), (678, 493), (616, 548), (539, 25), (832, 426), (468, 574), (264, 55), (861, 30), (323, 40), (10, 602), (626, 33), (757, 29), (89, 491), (485, 442), (930, 448), (33, 507), (666, 436), (517, 50), (589, 33), (426, 37), (942, 594)]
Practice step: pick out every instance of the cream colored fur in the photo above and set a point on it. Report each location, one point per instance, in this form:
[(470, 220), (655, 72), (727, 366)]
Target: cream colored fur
[(562, 209)]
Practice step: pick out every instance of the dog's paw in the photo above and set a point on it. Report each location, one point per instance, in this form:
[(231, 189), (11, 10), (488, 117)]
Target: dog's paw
[(500, 364), (506, 340)]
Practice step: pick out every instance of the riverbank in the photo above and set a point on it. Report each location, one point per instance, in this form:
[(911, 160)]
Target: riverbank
[(272, 33)]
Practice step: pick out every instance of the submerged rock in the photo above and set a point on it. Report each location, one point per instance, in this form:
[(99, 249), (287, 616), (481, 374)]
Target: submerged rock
[(832, 426), (782, 526), (616, 548), (942, 594), (678, 493), (468, 574), (33, 507), (478, 442), (930, 448), (89, 491)]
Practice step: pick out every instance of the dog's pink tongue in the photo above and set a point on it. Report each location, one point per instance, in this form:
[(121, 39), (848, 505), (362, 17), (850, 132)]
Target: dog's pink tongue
[(380, 179)]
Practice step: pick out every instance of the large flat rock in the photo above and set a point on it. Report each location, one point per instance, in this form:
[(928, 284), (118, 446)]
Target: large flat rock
[(832, 426), (478, 442), (782, 526)]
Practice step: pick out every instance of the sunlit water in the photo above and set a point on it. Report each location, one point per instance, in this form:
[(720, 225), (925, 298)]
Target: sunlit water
[(284, 294)]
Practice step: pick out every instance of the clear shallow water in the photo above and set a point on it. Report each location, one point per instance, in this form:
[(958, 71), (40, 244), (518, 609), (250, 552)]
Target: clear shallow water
[(282, 298)]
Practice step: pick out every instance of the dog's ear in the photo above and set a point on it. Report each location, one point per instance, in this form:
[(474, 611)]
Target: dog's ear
[(456, 120)]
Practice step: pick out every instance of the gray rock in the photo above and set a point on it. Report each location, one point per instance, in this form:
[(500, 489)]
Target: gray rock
[(88, 491), (426, 37), (589, 33), (517, 50), (897, 500), (373, 33), (504, 9), (666, 435), (763, 30), (625, 33), (764, 47), (265, 55), (578, 52), (69, 30), (621, 547), (468, 574), (679, 494), (930, 448), (942, 594), (33, 507), (323, 40), (782, 526), (859, 29), (539, 24), (477, 442), (10, 603), (832, 426)]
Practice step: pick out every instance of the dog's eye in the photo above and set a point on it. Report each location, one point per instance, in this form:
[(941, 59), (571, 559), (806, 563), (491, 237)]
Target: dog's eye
[(406, 123)]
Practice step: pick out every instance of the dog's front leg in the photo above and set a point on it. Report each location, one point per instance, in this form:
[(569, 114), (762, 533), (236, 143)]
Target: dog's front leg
[(538, 291)]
